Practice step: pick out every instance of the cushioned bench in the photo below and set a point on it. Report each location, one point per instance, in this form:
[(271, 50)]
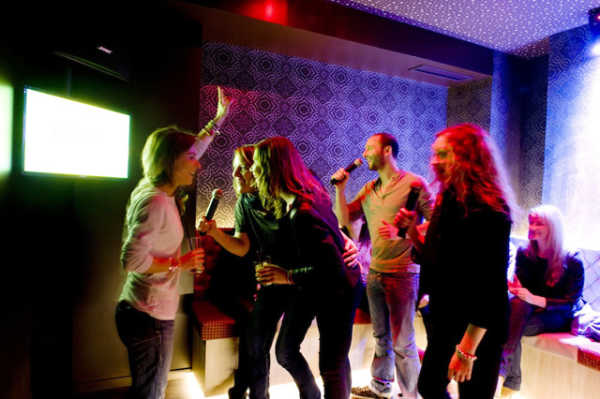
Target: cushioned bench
[(563, 365)]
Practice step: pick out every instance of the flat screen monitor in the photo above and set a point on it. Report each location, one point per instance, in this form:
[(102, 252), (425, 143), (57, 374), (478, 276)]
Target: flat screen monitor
[(67, 137)]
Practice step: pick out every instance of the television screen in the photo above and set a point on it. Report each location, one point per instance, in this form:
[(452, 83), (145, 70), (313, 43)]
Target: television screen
[(69, 137)]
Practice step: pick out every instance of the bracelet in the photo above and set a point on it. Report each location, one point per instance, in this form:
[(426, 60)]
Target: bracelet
[(173, 264), (464, 355)]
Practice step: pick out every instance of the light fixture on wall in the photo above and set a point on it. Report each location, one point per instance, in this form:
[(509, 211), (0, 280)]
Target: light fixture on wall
[(594, 22)]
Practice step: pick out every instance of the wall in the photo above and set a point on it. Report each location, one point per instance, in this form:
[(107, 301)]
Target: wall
[(572, 149), (470, 103), (327, 111), (62, 276)]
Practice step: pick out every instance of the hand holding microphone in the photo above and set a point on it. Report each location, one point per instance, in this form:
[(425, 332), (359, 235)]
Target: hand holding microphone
[(406, 216), (342, 174), (206, 223)]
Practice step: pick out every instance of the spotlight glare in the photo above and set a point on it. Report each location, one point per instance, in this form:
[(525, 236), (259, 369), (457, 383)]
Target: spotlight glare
[(596, 48)]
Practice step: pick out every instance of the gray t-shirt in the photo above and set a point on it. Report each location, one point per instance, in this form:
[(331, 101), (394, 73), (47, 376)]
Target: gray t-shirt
[(377, 204)]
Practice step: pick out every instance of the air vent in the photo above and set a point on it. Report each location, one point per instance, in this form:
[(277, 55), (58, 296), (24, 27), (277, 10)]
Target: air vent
[(440, 73)]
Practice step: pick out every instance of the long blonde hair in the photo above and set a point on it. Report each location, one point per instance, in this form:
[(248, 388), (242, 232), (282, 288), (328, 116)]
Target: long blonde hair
[(553, 244)]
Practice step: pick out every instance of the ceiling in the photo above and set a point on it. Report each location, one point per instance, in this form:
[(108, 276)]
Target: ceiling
[(519, 27)]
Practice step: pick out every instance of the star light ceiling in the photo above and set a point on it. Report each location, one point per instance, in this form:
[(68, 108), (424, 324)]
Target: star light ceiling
[(519, 27)]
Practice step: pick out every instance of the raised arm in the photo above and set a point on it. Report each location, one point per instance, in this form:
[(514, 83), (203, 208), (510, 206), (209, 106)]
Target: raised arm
[(208, 132), (344, 211)]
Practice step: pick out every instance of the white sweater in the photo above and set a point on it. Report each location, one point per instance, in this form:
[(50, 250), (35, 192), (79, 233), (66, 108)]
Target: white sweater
[(152, 229)]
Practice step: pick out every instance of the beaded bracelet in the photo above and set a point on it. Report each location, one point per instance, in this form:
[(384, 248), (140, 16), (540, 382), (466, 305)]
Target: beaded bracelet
[(173, 264), (464, 355)]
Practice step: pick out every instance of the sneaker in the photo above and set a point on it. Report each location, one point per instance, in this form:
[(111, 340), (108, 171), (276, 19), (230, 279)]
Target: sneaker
[(368, 393)]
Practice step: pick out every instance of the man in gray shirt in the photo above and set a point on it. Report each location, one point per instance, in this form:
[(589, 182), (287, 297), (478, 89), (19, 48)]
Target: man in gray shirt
[(393, 278)]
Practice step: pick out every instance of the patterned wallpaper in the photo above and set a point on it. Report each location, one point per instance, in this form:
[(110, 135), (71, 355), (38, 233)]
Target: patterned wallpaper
[(533, 132), (327, 111), (470, 103), (572, 146)]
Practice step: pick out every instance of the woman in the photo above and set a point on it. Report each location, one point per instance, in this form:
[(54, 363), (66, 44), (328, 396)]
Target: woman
[(548, 282), (316, 265), (150, 254), (260, 235), (463, 265)]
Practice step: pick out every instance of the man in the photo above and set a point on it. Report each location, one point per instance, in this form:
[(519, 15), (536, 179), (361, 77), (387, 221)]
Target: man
[(464, 260), (392, 281)]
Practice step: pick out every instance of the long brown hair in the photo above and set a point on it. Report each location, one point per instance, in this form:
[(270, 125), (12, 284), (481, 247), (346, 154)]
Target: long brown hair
[(477, 173), (281, 170)]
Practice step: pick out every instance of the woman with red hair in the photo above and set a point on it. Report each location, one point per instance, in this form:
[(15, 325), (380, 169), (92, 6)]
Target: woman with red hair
[(290, 191), (463, 265)]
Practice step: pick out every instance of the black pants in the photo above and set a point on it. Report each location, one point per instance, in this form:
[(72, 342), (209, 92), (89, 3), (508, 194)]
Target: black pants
[(433, 379), (334, 309), (271, 303)]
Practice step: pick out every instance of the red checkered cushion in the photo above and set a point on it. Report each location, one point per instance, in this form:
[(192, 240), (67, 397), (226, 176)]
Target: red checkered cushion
[(211, 322)]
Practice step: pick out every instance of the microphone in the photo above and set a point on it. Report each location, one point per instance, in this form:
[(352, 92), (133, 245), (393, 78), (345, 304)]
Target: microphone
[(357, 162), (411, 203), (212, 206)]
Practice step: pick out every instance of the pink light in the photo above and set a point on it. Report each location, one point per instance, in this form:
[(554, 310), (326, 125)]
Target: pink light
[(269, 10)]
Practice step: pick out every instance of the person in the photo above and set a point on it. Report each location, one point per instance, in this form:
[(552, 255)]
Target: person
[(261, 236), (150, 253), (548, 282), (290, 191), (463, 265), (392, 280)]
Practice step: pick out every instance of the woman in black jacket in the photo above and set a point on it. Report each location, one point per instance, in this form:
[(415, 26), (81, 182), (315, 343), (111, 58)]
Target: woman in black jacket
[(288, 189)]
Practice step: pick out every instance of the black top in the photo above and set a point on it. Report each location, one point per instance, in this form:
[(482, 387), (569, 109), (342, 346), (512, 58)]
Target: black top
[(565, 293), (268, 236), (464, 266), (320, 245)]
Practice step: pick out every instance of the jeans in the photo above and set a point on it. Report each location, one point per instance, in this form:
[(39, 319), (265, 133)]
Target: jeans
[(392, 302), (524, 320), (296, 323), (149, 345), (271, 303)]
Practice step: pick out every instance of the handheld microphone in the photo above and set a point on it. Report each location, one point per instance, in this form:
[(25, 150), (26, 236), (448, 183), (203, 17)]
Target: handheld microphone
[(357, 162), (212, 206), (411, 203)]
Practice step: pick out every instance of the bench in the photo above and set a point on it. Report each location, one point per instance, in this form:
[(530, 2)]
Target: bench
[(563, 365)]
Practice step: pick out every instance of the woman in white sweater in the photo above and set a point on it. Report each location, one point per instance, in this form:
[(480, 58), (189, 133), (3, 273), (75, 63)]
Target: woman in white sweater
[(150, 254)]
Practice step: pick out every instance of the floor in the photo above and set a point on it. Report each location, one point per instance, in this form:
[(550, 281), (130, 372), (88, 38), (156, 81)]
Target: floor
[(183, 385)]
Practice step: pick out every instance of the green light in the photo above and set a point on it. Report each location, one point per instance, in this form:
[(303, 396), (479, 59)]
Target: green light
[(6, 112), (69, 137)]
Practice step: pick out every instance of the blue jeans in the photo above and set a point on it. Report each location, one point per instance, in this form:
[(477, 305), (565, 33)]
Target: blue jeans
[(392, 303), (149, 345), (525, 320)]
